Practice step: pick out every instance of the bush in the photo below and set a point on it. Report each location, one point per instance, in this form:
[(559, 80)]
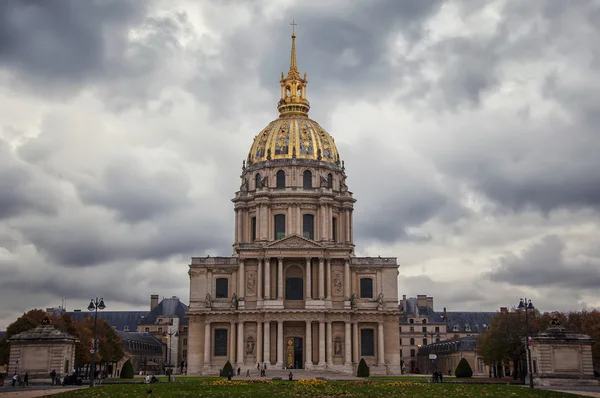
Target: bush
[(227, 369), (363, 369), (127, 370), (463, 369)]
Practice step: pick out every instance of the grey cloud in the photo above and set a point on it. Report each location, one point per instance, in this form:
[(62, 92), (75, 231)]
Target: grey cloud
[(544, 264)]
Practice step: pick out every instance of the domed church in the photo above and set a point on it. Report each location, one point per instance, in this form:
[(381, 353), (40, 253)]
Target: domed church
[(293, 294)]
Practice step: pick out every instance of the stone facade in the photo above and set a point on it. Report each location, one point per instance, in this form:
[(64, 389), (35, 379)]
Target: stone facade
[(41, 350), (294, 294), (447, 355)]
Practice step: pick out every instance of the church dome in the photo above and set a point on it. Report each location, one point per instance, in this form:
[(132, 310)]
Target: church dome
[(294, 134)]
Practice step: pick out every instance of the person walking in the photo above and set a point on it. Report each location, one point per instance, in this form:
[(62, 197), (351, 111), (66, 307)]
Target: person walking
[(26, 379), (53, 376)]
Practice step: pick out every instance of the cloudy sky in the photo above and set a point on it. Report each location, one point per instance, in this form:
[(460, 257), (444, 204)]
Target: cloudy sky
[(469, 132)]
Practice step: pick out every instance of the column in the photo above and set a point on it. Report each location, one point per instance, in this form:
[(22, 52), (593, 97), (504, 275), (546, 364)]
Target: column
[(347, 225), (259, 293), (308, 279), (347, 279), (379, 283), (308, 344), (321, 279), (258, 223), (321, 343), (279, 343), (267, 278), (259, 342), (348, 344), (242, 278), (280, 278), (329, 344), (237, 226), (328, 279), (355, 342), (381, 353), (207, 343), (267, 343), (240, 343), (232, 342)]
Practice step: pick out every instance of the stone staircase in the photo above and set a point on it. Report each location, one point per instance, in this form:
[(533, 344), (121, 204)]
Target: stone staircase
[(299, 374)]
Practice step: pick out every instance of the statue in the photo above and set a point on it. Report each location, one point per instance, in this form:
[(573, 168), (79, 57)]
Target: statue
[(337, 347), (324, 182), (343, 166), (264, 182), (208, 301), (294, 152), (380, 301), (250, 347), (319, 157), (353, 301), (243, 165), (269, 154), (555, 321), (46, 321), (234, 301)]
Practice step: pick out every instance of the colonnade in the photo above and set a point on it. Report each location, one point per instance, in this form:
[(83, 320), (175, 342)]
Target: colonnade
[(262, 350), (323, 278)]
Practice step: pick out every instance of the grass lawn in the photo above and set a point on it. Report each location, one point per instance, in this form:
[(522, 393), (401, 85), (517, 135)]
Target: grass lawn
[(309, 388)]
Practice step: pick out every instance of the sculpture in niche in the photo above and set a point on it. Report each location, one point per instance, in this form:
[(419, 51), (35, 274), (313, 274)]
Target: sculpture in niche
[(264, 182), (208, 300), (337, 346), (269, 154), (251, 285), (250, 346), (324, 182), (380, 301), (353, 301), (234, 301)]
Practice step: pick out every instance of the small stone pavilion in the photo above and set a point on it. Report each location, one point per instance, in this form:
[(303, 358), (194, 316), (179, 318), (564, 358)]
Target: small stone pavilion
[(41, 350), (562, 357)]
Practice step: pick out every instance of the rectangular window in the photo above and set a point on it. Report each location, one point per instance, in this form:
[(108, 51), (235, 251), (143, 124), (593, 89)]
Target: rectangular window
[(279, 226), (184, 354), (252, 229), (220, 349), (424, 341), (366, 288), (367, 342), (184, 341), (411, 321), (147, 330), (412, 328), (185, 328), (334, 229), (308, 226), (222, 285), (424, 329), (160, 330), (412, 353), (437, 329)]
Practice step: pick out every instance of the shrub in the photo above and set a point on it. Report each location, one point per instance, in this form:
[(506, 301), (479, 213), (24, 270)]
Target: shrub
[(363, 369), (463, 369), (127, 370), (227, 369)]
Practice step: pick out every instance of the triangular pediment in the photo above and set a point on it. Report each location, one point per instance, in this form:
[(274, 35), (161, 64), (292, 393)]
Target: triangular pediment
[(294, 241)]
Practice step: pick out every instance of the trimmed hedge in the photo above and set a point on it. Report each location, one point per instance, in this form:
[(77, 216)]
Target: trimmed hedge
[(363, 369), (227, 369), (463, 369), (127, 370)]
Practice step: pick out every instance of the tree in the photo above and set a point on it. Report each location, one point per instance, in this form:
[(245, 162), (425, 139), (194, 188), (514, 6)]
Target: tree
[(127, 370), (227, 369), (27, 321), (363, 369), (463, 369)]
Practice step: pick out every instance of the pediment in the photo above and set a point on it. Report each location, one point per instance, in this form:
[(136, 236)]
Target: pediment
[(294, 241)]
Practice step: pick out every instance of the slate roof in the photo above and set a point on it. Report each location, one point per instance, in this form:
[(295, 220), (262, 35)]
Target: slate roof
[(478, 321), (468, 343), (167, 307), (422, 311), (142, 337), (117, 319)]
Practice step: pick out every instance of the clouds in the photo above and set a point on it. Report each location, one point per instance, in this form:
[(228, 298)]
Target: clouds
[(469, 134)]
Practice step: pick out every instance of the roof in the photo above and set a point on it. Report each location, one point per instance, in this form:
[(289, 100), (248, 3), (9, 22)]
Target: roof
[(421, 311), (476, 321), (559, 334), (43, 333), (468, 343), (117, 319), (142, 337), (169, 307)]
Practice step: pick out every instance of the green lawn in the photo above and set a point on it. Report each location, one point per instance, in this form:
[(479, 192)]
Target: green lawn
[(309, 388)]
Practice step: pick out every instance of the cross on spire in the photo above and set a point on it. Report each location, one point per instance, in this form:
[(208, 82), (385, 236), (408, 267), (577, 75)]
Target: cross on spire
[(294, 24)]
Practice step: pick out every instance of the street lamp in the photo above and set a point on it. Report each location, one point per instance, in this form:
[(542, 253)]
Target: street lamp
[(95, 305), (527, 305), (169, 335)]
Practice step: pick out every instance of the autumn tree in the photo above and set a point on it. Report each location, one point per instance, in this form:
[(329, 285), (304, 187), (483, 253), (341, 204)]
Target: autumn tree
[(27, 321)]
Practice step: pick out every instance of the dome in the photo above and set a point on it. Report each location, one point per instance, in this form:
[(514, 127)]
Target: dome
[(293, 136)]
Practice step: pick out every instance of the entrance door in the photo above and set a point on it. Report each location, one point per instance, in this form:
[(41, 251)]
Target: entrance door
[(294, 349)]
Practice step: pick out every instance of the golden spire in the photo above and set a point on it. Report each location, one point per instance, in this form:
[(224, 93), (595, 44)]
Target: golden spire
[(293, 87)]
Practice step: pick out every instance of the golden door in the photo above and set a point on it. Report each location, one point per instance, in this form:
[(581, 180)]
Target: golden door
[(290, 352)]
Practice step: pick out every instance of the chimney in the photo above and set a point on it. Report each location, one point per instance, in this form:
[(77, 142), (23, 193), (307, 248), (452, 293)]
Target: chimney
[(445, 316), (504, 310), (422, 300), (153, 301), (430, 302), (404, 302)]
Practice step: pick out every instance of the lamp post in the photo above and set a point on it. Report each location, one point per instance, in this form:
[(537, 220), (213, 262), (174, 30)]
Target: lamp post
[(527, 305), (95, 305), (169, 335)]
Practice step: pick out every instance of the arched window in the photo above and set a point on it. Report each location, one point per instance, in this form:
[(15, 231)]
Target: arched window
[(307, 179), (366, 287), (257, 180), (308, 226), (330, 181), (221, 287), (281, 179), (279, 226)]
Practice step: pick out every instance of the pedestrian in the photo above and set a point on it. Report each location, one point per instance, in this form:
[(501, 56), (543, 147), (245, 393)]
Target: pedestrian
[(247, 372), (441, 377), (239, 370), (290, 376), (258, 366), (26, 379), (53, 376), (14, 380), (229, 375)]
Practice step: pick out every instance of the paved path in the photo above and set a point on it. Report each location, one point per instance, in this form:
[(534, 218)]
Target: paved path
[(586, 391)]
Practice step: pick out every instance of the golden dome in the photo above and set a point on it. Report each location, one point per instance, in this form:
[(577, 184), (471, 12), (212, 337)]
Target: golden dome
[(294, 134)]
